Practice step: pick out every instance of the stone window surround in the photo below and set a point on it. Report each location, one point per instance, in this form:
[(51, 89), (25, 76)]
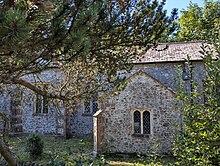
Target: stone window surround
[(42, 103), (142, 110)]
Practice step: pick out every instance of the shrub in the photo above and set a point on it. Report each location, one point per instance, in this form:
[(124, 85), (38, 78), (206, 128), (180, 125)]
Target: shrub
[(35, 145)]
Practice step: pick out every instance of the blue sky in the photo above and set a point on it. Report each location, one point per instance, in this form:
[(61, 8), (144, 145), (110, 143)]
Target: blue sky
[(180, 4)]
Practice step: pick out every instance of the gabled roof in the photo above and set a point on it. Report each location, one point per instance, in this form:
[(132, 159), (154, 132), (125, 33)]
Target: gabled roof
[(175, 52)]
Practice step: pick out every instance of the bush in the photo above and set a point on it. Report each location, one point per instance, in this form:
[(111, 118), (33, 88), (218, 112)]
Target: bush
[(35, 145)]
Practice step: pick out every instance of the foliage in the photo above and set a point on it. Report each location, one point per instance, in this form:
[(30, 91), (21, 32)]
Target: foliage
[(71, 158), (35, 145), (80, 158), (88, 40), (152, 156), (199, 143), (196, 23)]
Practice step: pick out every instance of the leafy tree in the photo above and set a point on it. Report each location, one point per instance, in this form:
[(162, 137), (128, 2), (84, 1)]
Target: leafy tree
[(87, 41), (196, 22), (94, 38), (199, 144)]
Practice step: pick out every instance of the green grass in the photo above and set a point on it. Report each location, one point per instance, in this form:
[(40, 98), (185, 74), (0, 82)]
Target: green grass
[(53, 147), (56, 148)]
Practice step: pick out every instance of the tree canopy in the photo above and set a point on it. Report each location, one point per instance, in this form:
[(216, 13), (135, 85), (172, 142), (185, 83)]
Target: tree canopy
[(198, 144), (89, 40), (86, 42), (196, 23)]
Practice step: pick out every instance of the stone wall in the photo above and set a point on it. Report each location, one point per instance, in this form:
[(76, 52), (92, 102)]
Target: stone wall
[(4, 102), (4, 108), (80, 124), (52, 122), (166, 73), (141, 92), (39, 123)]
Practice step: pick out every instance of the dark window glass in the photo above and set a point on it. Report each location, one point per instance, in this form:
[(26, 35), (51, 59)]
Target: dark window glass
[(146, 122), (91, 105), (94, 104), (137, 122), (87, 106), (41, 104), (45, 104), (38, 103)]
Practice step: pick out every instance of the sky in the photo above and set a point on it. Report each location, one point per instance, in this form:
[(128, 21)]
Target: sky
[(180, 4)]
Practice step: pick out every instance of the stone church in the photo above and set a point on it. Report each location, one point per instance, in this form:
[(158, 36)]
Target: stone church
[(133, 120)]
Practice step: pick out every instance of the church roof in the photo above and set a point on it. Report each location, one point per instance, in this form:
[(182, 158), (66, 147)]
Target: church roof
[(174, 52)]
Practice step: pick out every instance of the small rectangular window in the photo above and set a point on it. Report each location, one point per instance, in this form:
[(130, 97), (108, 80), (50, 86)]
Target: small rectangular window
[(91, 105), (41, 104)]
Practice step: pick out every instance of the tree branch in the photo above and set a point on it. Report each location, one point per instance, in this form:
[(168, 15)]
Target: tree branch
[(6, 153)]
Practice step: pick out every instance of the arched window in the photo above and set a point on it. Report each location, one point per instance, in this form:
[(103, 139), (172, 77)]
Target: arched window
[(137, 122), (141, 122), (146, 122)]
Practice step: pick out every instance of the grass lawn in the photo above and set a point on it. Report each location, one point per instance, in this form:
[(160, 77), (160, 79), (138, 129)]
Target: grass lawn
[(54, 147), (58, 148)]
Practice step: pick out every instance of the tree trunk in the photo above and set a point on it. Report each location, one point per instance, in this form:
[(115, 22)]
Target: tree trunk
[(6, 153)]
